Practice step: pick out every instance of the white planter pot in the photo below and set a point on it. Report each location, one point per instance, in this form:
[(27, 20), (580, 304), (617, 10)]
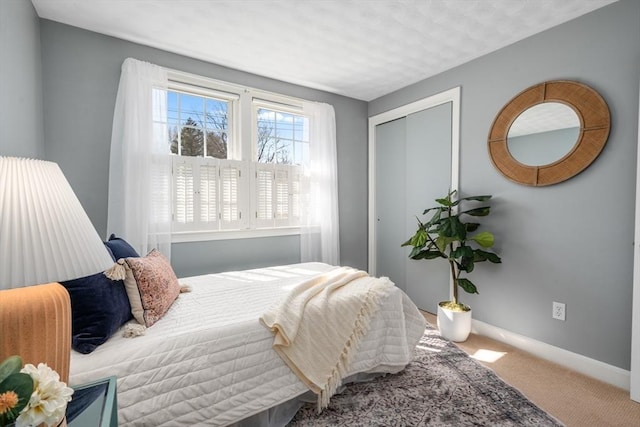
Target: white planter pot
[(454, 325)]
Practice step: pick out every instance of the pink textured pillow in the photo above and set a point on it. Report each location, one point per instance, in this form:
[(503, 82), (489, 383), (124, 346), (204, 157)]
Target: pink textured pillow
[(151, 285)]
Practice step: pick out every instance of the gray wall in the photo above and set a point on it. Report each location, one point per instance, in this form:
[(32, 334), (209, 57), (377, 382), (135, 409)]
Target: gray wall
[(571, 242), (81, 70), (21, 128), (190, 259)]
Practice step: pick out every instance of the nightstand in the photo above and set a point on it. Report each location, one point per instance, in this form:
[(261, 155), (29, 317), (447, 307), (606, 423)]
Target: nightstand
[(94, 404)]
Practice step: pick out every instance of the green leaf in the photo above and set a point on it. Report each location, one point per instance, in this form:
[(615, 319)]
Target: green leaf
[(435, 219), (484, 239), (452, 227), (479, 255), (460, 229), (466, 264), (420, 238), (436, 208), (467, 286), (443, 241), (415, 251), (446, 201), (471, 226), (22, 385), (10, 365), (487, 256), (463, 251), (427, 255), (478, 198), (494, 259), (483, 211), (444, 228)]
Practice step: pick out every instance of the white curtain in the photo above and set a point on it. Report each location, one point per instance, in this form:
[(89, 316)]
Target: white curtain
[(319, 239), (140, 165)]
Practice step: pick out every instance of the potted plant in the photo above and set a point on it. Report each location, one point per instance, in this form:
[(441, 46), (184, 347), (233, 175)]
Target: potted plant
[(448, 236)]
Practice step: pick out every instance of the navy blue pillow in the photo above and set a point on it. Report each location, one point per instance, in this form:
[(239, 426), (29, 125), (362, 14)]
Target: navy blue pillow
[(113, 257), (99, 306), (120, 248)]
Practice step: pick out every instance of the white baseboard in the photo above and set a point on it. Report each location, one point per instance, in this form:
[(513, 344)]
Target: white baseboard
[(594, 368)]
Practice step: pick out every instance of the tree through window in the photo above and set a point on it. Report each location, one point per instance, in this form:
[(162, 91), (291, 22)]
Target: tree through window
[(198, 126), (283, 137)]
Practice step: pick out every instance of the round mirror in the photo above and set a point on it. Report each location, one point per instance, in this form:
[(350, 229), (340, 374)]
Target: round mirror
[(543, 134), (542, 160)]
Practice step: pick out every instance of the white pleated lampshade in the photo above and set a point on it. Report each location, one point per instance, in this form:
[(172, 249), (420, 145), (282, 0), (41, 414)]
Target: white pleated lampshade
[(45, 234)]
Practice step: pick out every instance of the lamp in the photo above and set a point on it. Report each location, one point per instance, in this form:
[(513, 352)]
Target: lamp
[(45, 236)]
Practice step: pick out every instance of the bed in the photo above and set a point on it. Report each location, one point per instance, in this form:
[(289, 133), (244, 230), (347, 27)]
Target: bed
[(209, 360)]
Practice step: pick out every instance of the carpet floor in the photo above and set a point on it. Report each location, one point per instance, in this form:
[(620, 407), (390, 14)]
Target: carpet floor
[(443, 386)]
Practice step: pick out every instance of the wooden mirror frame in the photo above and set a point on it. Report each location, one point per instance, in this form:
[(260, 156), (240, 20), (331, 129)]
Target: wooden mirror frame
[(595, 123)]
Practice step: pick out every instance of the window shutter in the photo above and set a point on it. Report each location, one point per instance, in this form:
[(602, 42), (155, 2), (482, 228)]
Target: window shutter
[(282, 204), (295, 190), (209, 194), (276, 195), (231, 184), (183, 174), (263, 196)]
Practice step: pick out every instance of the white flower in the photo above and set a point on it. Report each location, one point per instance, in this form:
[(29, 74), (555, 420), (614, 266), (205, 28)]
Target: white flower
[(48, 401)]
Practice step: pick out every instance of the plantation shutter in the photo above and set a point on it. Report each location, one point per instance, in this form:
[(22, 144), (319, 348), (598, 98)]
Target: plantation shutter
[(213, 194), (264, 196), (208, 194), (277, 195), (183, 181), (231, 206), (282, 203), (295, 188)]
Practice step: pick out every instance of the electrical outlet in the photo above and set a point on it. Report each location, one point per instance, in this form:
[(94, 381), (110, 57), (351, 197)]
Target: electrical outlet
[(558, 311)]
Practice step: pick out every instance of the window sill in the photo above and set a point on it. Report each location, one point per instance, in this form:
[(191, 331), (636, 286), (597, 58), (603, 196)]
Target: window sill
[(201, 236)]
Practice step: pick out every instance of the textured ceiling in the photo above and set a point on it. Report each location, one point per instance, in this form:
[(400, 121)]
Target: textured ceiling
[(358, 48)]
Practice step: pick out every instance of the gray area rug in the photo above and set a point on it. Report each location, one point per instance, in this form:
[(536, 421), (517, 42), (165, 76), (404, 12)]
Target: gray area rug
[(443, 386)]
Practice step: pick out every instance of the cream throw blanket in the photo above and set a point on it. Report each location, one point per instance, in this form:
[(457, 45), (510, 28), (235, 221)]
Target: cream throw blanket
[(320, 323)]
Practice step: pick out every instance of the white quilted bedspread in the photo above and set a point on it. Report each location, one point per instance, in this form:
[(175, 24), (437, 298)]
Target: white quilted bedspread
[(210, 362)]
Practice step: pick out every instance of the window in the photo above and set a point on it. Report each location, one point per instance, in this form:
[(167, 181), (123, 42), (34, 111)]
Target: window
[(282, 137), (198, 126), (223, 181), (282, 150)]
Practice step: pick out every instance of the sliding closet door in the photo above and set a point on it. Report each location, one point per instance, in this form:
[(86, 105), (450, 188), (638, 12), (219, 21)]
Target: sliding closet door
[(428, 177), (390, 200), (412, 169), (413, 159), (635, 320)]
